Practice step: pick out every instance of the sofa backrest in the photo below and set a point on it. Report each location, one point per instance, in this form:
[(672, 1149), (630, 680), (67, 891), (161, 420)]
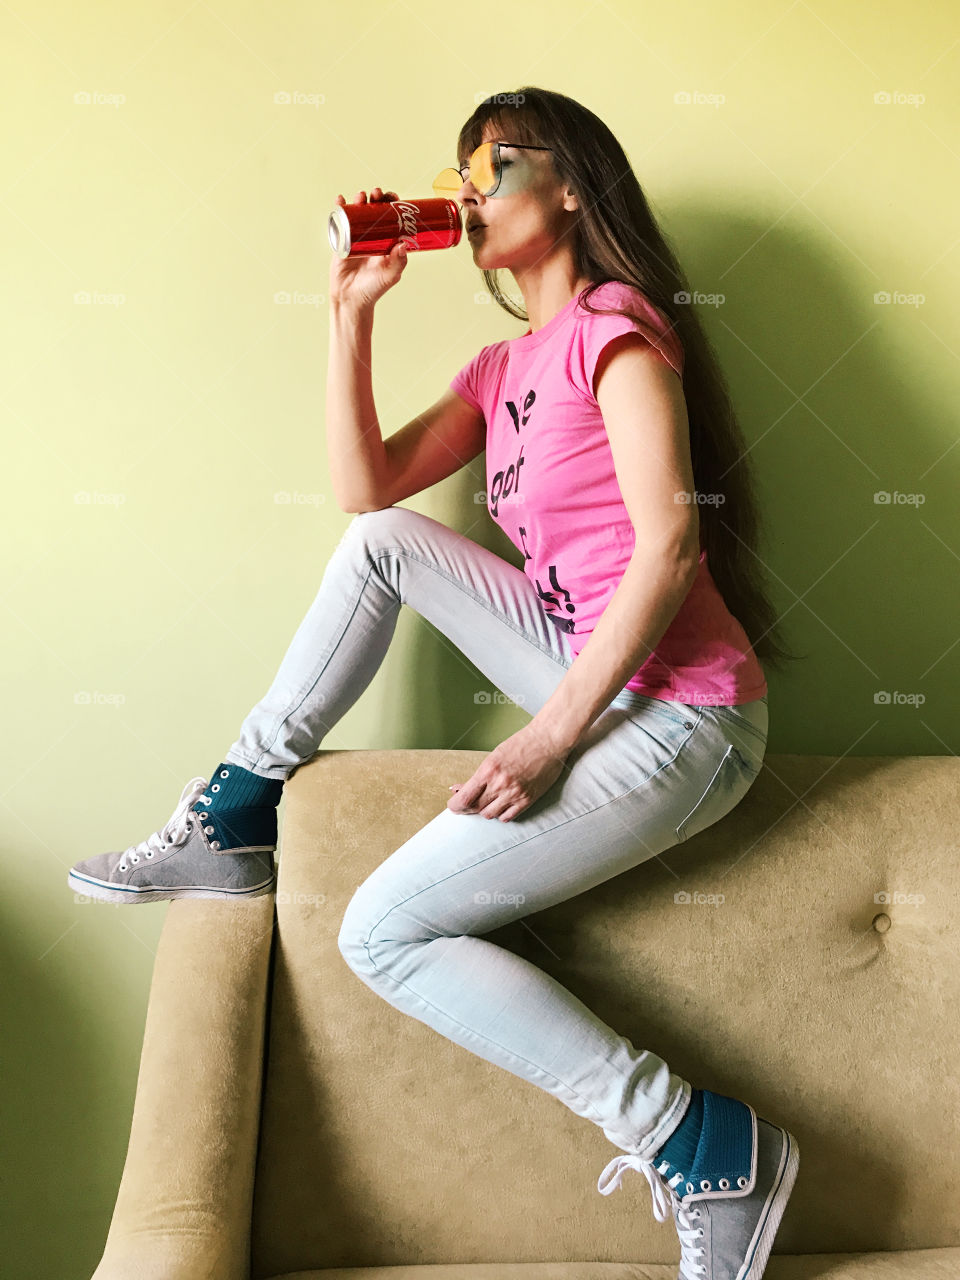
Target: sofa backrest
[(820, 984)]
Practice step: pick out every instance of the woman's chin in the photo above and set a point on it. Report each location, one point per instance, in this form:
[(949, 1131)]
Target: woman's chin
[(484, 259)]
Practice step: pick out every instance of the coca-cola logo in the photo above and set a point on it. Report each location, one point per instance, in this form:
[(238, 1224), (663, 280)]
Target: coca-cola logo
[(408, 217)]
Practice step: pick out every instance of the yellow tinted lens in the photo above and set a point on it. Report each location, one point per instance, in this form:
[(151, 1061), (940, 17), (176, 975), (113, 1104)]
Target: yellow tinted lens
[(448, 183), (483, 169), (483, 174)]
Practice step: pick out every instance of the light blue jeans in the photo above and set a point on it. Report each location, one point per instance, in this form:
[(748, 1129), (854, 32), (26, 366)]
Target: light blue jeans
[(646, 775)]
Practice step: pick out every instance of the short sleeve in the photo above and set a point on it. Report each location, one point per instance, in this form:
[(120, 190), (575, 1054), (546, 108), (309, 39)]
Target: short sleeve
[(595, 332), (466, 382)]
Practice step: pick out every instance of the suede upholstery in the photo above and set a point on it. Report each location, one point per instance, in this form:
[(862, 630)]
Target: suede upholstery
[(378, 1150)]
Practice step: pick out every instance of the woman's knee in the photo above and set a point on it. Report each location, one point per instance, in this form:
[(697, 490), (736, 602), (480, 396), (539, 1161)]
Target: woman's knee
[(384, 525), (355, 933), (368, 922)]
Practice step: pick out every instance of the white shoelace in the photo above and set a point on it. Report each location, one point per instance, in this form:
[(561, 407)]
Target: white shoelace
[(665, 1201), (174, 831)]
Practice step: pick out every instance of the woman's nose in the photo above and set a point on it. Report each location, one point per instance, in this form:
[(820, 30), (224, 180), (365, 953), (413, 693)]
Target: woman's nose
[(469, 194)]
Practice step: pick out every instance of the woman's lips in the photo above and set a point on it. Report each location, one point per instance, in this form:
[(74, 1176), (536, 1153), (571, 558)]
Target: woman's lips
[(474, 230)]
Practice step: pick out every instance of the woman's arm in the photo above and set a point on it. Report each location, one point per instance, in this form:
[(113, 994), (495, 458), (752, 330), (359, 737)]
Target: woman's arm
[(356, 455), (644, 604), (645, 415)]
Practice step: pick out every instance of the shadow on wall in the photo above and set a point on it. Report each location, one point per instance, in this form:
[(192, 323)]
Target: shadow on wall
[(69, 1080), (802, 318)]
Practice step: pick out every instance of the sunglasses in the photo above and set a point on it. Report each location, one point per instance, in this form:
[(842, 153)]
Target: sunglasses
[(484, 170)]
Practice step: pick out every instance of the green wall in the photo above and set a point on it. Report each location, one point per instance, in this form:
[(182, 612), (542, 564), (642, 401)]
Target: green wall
[(168, 599)]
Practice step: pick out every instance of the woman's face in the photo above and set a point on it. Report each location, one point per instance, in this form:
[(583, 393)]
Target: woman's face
[(525, 216)]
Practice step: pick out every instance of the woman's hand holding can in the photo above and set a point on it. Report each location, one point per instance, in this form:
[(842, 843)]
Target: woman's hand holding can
[(362, 281)]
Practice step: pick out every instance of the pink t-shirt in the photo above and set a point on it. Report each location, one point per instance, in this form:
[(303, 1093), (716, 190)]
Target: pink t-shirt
[(552, 488)]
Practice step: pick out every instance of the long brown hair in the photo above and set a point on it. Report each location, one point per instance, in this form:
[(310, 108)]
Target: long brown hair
[(616, 237)]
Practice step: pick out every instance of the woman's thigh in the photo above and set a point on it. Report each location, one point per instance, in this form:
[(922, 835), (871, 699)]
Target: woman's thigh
[(645, 776)]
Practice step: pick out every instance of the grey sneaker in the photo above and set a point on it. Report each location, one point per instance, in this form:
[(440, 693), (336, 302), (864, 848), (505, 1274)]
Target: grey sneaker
[(179, 861), (726, 1223)]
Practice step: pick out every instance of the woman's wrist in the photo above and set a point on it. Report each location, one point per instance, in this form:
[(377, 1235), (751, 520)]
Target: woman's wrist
[(350, 308)]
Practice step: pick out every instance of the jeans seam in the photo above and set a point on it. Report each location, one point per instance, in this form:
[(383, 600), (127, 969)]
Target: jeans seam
[(508, 1053), (656, 1138), (534, 836), (709, 787), (279, 773), (478, 599), (326, 662), (453, 580), (507, 849), (656, 705), (741, 721)]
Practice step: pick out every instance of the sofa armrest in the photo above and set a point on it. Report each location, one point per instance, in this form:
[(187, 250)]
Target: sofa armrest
[(184, 1206)]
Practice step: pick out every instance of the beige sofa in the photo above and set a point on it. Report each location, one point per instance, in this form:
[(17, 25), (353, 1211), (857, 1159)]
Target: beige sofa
[(289, 1123)]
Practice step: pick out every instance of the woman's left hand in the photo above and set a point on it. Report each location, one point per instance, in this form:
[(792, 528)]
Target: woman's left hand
[(512, 776)]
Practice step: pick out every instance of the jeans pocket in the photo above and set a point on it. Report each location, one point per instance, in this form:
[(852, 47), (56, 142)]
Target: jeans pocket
[(642, 705), (730, 782)]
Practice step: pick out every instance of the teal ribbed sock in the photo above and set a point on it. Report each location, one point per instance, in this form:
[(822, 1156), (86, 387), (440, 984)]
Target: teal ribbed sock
[(681, 1147), (233, 787)]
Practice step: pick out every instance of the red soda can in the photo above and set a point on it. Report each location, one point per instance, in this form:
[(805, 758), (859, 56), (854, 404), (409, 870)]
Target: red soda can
[(356, 230)]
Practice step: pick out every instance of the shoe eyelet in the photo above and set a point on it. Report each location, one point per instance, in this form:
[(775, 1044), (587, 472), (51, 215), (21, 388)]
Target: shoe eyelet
[(150, 854), (208, 830), (122, 866), (203, 815), (215, 844), (700, 1231), (741, 1182), (215, 787), (135, 857), (162, 847), (691, 1187), (705, 1185), (724, 1183), (224, 773)]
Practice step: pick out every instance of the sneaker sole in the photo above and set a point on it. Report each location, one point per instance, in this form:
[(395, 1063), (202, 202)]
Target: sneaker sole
[(769, 1222), (130, 896)]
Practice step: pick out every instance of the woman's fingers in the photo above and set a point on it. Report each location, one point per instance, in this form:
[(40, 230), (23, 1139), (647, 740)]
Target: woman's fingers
[(375, 194)]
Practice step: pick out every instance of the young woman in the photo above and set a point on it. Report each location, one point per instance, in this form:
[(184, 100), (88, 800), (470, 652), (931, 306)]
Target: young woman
[(632, 635)]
